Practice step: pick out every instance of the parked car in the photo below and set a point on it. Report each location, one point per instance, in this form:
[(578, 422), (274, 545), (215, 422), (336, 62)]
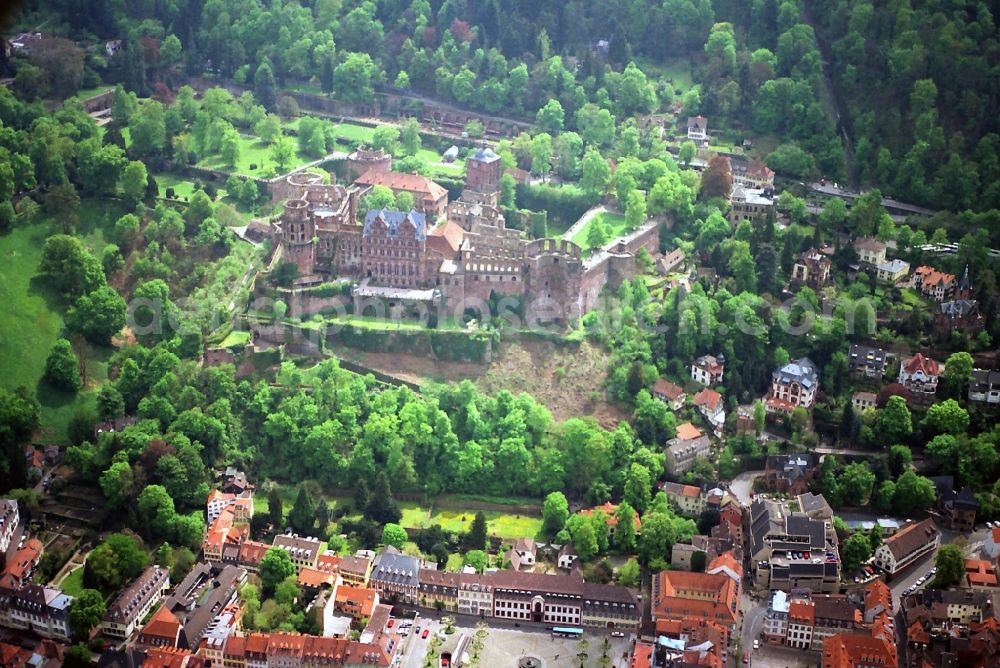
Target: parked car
[(756, 644), (391, 622), (617, 634), (425, 633)]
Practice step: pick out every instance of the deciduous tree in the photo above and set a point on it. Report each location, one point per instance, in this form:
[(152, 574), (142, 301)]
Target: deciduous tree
[(62, 367)]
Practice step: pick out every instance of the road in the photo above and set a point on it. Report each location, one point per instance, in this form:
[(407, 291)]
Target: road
[(752, 623), (741, 486), (415, 647), (909, 577)]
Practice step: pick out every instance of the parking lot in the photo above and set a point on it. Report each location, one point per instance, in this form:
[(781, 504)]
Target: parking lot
[(505, 645), (770, 656)]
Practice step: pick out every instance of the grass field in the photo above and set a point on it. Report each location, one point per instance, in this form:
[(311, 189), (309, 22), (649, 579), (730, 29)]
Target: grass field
[(252, 151), (72, 584), (614, 223), (31, 317), (352, 132), (677, 71), (387, 323), (235, 338), (183, 185), (505, 525), (86, 93)]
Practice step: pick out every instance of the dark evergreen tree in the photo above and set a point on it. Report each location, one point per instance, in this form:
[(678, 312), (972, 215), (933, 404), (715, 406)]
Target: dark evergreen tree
[(326, 75), (274, 507), (361, 495), (322, 516), (382, 508), (18, 419), (475, 539), (265, 88), (303, 513), (848, 422)]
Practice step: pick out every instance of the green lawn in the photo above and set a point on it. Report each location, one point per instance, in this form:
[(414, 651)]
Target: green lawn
[(435, 165), (31, 317), (676, 70), (371, 322), (614, 223), (87, 93), (183, 186), (455, 563), (353, 132), (505, 525), (252, 151), (912, 298), (72, 584), (236, 338)]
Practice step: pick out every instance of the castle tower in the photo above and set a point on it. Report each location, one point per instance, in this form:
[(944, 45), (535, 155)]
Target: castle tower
[(365, 159), (297, 233), (483, 171)]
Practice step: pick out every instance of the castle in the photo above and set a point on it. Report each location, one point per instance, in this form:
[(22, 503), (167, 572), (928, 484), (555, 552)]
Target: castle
[(456, 263)]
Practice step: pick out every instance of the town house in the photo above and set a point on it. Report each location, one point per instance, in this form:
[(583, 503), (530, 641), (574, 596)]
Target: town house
[(793, 385), (907, 546)]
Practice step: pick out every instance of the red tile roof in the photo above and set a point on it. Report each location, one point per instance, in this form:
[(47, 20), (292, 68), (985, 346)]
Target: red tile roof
[(314, 578), (251, 552), (359, 600), (758, 169), (328, 562), (413, 183), (877, 593), (980, 573), (803, 612), (680, 594), (23, 562), (14, 656), (446, 238), (668, 389), (708, 398), (932, 276), (688, 432), (610, 509), (920, 363), (163, 625), (642, 655), (913, 537), (171, 657), (726, 560), (850, 650)]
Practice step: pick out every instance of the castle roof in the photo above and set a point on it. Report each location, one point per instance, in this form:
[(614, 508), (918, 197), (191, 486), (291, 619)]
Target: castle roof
[(484, 154), (395, 220), (413, 183), (446, 238)]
